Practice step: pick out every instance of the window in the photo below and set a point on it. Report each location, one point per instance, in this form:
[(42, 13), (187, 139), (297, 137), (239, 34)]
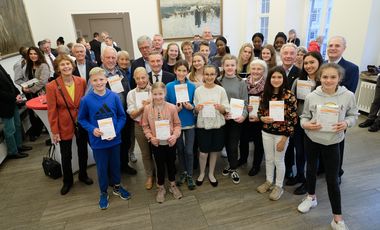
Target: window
[(264, 18)]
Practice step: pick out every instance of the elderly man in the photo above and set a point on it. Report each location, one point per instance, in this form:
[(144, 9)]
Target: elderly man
[(83, 66), (335, 49), (144, 43), (120, 85), (157, 43), (207, 36), (49, 57), (156, 62)]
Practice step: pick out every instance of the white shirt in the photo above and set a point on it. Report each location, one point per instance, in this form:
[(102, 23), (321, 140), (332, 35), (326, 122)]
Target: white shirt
[(49, 60), (82, 70), (159, 77)]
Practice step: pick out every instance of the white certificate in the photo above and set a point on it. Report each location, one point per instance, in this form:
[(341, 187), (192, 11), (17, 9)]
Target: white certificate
[(327, 116), (162, 129), (29, 83), (107, 128), (181, 93), (303, 88), (115, 84), (208, 109), (237, 107), (254, 101), (276, 110), (141, 96)]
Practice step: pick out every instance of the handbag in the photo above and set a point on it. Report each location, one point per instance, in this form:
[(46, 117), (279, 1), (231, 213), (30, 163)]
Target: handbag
[(76, 128), (52, 168)]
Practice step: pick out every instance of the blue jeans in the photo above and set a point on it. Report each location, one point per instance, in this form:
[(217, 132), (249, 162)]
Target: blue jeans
[(185, 145), (12, 132)]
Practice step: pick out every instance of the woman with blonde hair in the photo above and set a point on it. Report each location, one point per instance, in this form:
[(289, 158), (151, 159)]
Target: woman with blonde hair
[(196, 72), (245, 57)]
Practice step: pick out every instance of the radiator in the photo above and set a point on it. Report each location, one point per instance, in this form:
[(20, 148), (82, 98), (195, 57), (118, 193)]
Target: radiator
[(366, 95)]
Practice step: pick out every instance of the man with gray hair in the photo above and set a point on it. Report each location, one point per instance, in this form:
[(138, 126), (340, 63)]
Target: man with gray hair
[(49, 57), (144, 43), (157, 43), (83, 65)]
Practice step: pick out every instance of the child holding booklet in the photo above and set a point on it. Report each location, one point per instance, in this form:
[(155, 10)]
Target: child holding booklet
[(162, 128), (102, 115), (278, 112), (211, 103), (237, 93), (326, 143), (181, 93)]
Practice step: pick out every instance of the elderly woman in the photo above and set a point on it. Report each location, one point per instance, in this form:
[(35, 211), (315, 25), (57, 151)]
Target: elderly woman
[(63, 98), (301, 51), (64, 50), (252, 127)]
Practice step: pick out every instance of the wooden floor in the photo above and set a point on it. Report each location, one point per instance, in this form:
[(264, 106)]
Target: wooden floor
[(30, 200)]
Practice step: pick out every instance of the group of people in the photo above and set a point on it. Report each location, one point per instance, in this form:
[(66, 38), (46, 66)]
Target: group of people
[(201, 103)]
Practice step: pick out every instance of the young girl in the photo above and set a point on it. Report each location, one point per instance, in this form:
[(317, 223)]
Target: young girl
[(96, 106), (235, 88), (276, 133), (162, 128), (326, 143), (222, 49), (196, 73), (172, 55), (185, 112), (211, 103), (268, 54), (135, 110)]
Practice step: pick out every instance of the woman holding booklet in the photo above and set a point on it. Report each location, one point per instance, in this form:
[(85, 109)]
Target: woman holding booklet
[(277, 111), (328, 111)]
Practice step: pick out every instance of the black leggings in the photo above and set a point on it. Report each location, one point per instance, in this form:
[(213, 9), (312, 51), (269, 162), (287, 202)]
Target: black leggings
[(232, 137), (331, 159), (164, 156)]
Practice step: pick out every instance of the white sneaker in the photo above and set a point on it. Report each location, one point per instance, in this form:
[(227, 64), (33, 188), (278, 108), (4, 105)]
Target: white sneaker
[(307, 204), (132, 157), (338, 226), (235, 177)]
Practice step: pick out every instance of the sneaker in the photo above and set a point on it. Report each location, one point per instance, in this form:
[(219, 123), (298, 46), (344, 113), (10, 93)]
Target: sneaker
[(190, 182), (264, 187), (121, 192), (226, 171), (160, 197), (182, 179), (173, 189), (103, 201), (276, 193), (307, 204), (340, 225), (235, 177), (132, 157)]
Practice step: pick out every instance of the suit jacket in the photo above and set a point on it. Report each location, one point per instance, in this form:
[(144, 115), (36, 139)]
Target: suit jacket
[(293, 75), (166, 77), (89, 66), (59, 117), (8, 93), (351, 76), (95, 46)]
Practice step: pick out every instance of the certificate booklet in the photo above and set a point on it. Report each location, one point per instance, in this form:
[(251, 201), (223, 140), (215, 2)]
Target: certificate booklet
[(327, 116), (237, 107), (106, 126), (162, 129), (141, 96), (276, 110), (304, 88), (208, 109), (29, 83), (254, 101), (181, 93), (115, 84)]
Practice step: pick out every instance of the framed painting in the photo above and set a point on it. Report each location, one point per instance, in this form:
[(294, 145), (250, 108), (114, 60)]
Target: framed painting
[(14, 27), (186, 18)]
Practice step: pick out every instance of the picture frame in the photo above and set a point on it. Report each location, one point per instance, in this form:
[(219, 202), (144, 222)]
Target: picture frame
[(186, 18)]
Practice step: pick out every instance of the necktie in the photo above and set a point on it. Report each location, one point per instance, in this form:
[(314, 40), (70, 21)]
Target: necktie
[(155, 78)]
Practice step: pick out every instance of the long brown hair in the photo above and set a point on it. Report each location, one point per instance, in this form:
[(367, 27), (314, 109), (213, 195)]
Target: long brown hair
[(272, 62), (193, 70)]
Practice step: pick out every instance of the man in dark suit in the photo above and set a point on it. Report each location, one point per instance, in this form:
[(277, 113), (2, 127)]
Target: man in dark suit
[(335, 49), (144, 43), (83, 66), (156, 62), (95, 46)]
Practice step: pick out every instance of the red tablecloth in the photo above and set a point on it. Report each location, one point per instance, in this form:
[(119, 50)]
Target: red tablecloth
[(35, 103)]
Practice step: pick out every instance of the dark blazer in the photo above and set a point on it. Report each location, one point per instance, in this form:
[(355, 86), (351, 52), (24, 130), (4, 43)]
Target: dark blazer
[(293, 75), (351, 76), (166, 77), (8, 93), (95, 46), (89, 66)]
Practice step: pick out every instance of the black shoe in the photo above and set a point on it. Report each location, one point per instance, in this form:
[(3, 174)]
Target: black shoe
[(295, 180), (86, 180), (366, 123), (301, 190), (214, 184), (374, 127), (199, 182), (24, 148), (17, 156), (254, 171), (65, 189), (129, 170)]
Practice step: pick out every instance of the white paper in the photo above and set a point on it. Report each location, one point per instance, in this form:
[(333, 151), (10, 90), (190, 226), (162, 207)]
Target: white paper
[(141, 96), (181, 93), (115, 84), (237, 107), (162, 129), (106, 126), (276, 110), (327, 116), (303, 88), (254, 101), (208, 109), (29, 83)]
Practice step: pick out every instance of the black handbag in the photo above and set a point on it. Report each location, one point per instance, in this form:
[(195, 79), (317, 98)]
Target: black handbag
[(52, 168)]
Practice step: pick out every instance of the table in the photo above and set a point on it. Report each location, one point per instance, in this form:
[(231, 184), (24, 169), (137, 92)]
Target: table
[(41, 110)]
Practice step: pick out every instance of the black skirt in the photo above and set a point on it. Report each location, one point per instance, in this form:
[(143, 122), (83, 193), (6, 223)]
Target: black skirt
[(210, 140)]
